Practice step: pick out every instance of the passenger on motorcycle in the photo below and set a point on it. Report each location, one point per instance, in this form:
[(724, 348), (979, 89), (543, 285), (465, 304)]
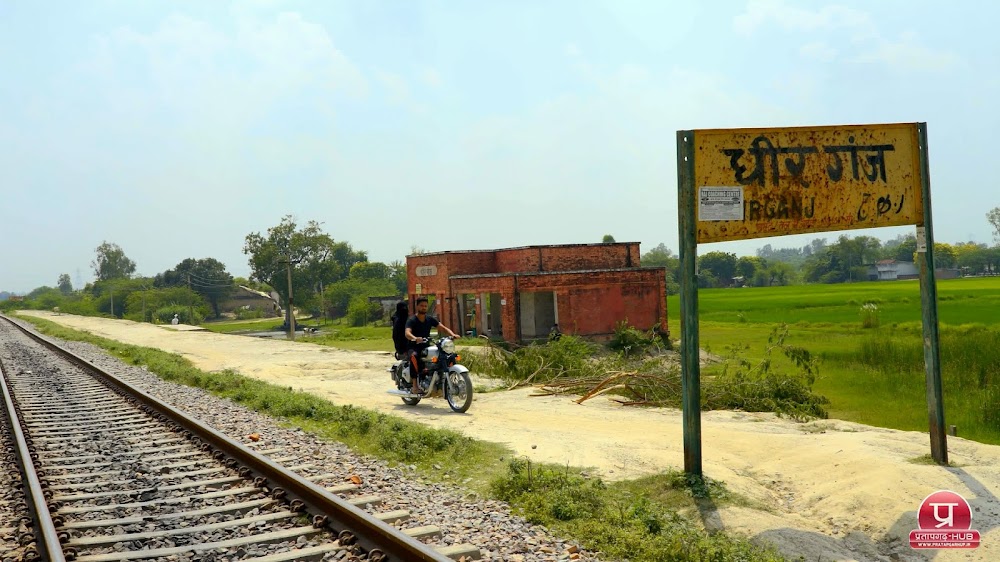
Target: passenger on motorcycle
[(399, 319), (418, 332)]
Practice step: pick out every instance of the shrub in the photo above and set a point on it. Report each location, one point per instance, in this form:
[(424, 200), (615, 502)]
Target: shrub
[(869, 315), (759, 388)]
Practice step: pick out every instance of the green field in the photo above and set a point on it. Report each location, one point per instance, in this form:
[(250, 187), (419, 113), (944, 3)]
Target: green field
[(873, 376)]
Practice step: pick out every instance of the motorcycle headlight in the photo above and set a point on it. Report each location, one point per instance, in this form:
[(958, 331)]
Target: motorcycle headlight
[(448, 346)]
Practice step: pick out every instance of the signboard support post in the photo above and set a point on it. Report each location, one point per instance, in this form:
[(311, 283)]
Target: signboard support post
[(690, 353), (928, 299)]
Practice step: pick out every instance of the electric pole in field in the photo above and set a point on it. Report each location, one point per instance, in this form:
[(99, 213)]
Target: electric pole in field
[(190, 302), (291, 310)]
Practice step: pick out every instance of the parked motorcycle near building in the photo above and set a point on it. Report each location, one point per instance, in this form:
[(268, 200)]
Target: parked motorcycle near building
[(442, 373)]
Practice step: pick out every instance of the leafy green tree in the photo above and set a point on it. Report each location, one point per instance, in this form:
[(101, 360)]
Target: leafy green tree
[(721, 264), (338, 297), (945, 255), (312, 255), (370, 270), (662, 256), (398, 276), (207, 277), (608, 239), (747, 266), (65, 285), (994, 219), (112, 263)]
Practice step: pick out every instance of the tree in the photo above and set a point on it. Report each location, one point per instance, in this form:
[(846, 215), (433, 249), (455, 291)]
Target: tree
[(65, 285), (207, 277), (994, 219), (112, 263), (722, 266), (945, 255), (398, 276), (747, 266), (313, 256), (369, 270), (608, 239), (662, 256)]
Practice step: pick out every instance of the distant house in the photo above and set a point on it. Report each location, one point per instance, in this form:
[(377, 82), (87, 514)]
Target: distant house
[(247, 299), (891, 270)]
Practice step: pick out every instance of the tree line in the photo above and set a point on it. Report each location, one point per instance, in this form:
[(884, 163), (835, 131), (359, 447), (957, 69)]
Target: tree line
[(846, 260), (329, 278)]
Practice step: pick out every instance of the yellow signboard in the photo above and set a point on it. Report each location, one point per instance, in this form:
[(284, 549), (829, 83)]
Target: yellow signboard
[(752, 183)]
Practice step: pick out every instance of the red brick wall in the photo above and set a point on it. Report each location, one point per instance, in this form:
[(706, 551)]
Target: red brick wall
[(589, 303), (568, 258)]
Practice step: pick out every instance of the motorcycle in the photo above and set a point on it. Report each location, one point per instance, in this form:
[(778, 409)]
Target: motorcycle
[(442, 374)]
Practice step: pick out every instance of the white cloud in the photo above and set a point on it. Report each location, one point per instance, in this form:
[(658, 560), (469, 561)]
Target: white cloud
[(865, 41), (794, 18), (572, 50), (397, 90), (431, 77), (818, 50), (907, 54)]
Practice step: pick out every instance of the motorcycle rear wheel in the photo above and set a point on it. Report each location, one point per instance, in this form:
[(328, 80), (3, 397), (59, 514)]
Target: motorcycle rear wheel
[(458, 391)]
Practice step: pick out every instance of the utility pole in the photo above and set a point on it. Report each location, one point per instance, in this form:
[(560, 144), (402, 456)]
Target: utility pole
[(291, 309), (112, 302), (190, 303), (322, 306)]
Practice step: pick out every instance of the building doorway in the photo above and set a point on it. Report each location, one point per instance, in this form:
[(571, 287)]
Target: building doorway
[(537, 313)]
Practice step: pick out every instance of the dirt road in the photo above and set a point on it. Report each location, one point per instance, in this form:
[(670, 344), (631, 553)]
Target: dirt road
[(835, 490)]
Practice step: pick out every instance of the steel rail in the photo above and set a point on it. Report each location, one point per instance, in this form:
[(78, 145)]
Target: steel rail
[(382, 542), (44, 529)]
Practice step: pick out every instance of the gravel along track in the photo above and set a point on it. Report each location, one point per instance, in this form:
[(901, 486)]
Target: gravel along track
[(452, 518), (15, 520)]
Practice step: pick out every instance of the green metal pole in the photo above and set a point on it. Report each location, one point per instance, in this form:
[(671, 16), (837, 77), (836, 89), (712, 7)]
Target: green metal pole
[(690, 367), (928, 299)]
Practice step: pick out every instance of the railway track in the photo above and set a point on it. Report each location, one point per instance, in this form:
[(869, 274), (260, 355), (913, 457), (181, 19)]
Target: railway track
[(107, 472)]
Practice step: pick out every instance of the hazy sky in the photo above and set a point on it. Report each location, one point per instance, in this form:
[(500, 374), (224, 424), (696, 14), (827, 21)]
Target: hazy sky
[(175, 128)]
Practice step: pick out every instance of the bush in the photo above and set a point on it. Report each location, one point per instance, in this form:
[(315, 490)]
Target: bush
[(759, 388), (630, 341), (360, 312), (165, 314)]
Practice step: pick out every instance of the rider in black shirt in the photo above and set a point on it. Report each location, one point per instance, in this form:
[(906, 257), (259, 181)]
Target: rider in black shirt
[(418, 332)]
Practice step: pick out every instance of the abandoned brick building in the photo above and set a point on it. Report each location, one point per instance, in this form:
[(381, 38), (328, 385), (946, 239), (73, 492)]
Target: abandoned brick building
[(520, 293)]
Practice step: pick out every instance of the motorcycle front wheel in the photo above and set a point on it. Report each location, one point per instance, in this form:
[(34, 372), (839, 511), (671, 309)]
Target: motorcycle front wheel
[(411, 401), (458, 391)]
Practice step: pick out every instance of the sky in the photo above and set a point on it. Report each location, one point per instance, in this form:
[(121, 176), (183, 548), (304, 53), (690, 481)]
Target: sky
[(176, 128)]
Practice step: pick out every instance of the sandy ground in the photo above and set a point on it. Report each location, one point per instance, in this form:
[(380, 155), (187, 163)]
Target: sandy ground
[(834, 490)]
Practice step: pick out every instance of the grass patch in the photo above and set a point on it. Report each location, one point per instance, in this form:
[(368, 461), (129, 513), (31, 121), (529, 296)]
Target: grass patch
[(644, 520), (928, 460), (649, 519)]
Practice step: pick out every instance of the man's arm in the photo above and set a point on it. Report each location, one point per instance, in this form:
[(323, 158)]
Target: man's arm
[(448, 330)]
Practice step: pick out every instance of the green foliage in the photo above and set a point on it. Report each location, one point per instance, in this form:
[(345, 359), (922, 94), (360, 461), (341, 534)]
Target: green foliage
[(314, 258), (630, 341), (538, 362), (207, 277), (339, 296), (64, 284), (360, 311), (156, 301), (624, 520), (722, 266), (869, 315), (112, 263), (165, 314), (608, 239), (970, 360), (760, 387)]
